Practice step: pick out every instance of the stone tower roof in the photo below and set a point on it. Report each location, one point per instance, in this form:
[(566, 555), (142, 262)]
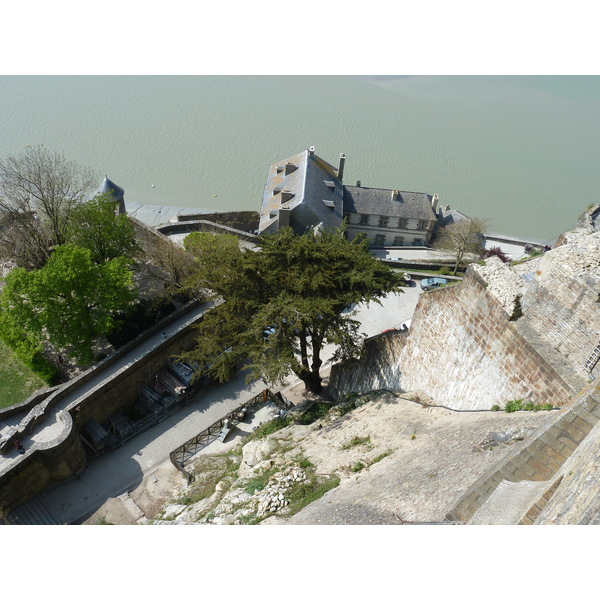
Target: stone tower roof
[(116, 192)]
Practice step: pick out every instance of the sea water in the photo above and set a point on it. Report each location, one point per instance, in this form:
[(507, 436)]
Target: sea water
[(520, 151)]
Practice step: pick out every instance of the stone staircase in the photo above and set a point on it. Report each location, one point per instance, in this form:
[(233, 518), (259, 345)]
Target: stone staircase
[(32, 512)]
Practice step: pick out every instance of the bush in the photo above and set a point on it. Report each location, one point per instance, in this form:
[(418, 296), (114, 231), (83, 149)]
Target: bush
[(495, 251)]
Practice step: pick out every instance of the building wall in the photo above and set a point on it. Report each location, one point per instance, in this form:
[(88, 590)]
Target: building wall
[(461, 350), (410, 230)]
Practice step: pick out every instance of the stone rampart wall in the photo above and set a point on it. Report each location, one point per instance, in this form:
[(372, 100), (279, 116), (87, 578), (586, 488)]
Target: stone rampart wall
[(564, 309), (60, 459), (539, 461), (189, 226), (64, 456), (461, 350), (122, 389)]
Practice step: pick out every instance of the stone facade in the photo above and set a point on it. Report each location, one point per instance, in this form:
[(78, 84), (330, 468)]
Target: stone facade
[(503, 334), (305, 192)]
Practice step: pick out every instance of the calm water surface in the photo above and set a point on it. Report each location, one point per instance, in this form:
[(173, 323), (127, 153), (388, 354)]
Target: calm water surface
[(521, 151)]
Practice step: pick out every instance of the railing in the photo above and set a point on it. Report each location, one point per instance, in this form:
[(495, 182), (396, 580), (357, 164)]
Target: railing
[(180, 455)]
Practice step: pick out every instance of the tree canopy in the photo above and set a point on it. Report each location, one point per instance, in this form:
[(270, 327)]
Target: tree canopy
[(283, 302), (97, 226), (461, 239), (69, 302), (38, 190)]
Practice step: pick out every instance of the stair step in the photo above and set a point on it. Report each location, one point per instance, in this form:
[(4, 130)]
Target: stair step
[(32, 512)]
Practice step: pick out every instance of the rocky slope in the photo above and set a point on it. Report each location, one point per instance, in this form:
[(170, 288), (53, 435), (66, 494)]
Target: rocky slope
[(382, 459)]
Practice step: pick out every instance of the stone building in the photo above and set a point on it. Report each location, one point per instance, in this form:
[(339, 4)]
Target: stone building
[(306, 192)]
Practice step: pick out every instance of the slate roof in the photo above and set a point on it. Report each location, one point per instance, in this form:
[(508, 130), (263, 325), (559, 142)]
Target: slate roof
[(316, 194), (377, 201), (112, 189)]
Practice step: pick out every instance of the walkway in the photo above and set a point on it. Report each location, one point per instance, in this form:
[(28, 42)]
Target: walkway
[(51, 427)]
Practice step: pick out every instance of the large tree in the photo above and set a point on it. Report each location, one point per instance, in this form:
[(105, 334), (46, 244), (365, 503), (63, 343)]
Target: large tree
[(97, 226), (284, 301), (70, 302), (461, 240), (38, 190)]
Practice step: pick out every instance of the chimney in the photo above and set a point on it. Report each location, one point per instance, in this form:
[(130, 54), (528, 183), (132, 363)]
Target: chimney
[(434, 202), (358, 183), (311, 151), (394, 195), (340, 173)]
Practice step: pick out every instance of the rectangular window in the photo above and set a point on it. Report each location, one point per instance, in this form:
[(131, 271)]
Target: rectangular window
[(398, 241), (402, 223), (423, 225), (383, 221), (363, 219), (417, 242), (379, 240)]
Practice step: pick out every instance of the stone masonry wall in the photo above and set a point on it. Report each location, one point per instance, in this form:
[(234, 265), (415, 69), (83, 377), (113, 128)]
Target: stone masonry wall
[(539, 461), (461, 350), (60, 459), (561, 303)]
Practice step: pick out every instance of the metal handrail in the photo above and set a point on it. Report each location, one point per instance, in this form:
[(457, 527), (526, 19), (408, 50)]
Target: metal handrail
[(202, 439)]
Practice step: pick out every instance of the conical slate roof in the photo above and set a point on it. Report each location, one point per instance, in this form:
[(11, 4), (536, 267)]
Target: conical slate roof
[(117, 193)]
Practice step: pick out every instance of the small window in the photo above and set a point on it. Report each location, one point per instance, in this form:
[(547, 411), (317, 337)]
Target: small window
[(423, 225), (363, 219), (417, 242), (383, 221), (402, 223), (379, 240), (399, 240)]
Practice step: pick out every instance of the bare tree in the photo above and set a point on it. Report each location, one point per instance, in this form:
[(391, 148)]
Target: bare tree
[(38, 190), (461, 239)]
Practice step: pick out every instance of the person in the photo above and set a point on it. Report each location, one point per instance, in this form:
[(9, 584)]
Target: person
[(61, 360), (164, 335), (20, 447)]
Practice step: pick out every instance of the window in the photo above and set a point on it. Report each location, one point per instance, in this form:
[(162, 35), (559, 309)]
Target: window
[(402, 223), (417, 242), (423, 225), (398, 241), (363, 219), (383, 221), (379, 240)]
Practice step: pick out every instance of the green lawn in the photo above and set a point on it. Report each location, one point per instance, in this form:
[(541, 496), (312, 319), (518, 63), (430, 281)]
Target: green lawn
[(17, 382)]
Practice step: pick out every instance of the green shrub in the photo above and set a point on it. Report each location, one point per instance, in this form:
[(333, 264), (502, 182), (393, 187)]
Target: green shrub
[(356, 441), (495, 407)]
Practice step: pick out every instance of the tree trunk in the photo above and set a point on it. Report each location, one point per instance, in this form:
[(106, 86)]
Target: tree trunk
[(312, 381)]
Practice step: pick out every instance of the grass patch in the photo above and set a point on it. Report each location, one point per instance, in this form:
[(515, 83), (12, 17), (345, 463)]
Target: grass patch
[(308, 491), (356, 441), (209, 474), (381, 456), (262, 431), (358, 466), (515, 405), (17, 381), (315, 412)]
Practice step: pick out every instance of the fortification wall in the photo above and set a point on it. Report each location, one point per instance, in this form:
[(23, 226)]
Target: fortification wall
[(461, 350), (122, 389), (562, 301), (59, 459)]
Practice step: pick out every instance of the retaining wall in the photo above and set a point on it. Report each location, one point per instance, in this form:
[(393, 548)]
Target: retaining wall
[(462, 350)]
